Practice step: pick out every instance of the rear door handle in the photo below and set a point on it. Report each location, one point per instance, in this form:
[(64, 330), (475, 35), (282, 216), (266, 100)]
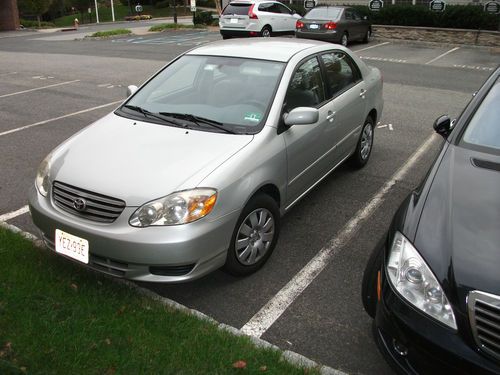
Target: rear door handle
[(330, 116), (362, 93)]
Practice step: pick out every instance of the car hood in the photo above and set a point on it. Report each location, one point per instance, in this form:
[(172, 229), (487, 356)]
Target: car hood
[(459, 229), (139, 161)]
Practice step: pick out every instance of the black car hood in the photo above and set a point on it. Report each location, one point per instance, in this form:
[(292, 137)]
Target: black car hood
[(459, 230)]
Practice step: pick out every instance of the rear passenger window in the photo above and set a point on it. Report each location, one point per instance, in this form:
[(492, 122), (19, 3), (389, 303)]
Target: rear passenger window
[(341, 72), (265, 7), (306, 87)]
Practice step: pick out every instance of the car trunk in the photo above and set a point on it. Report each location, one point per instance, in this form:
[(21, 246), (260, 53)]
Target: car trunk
[(235, 15)]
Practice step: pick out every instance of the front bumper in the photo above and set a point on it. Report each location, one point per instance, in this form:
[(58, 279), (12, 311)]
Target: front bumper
[(155, 254), (427, 346)]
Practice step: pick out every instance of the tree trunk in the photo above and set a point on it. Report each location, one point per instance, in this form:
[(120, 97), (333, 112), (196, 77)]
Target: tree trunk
[(39, 21), (175, 12), (218, 6)]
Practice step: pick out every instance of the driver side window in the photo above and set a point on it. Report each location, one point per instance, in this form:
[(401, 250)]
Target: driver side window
[(306, 86)]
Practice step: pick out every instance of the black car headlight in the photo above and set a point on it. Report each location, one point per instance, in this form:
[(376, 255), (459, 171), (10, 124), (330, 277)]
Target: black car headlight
[(415, 282)]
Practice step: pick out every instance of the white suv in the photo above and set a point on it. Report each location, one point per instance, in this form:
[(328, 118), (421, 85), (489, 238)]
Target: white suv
[(256, 18)]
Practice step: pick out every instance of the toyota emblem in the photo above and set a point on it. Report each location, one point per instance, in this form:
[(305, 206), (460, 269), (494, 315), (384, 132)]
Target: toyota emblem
[(79, 204)]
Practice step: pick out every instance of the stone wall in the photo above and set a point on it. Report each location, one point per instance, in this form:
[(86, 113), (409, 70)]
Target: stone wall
[(9, 15), (431, 34)]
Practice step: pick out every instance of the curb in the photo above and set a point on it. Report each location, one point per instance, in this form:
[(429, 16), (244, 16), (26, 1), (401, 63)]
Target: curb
[(286, 355)]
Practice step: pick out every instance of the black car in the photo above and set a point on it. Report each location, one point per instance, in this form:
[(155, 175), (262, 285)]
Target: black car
[(433, 286), (334, 24)]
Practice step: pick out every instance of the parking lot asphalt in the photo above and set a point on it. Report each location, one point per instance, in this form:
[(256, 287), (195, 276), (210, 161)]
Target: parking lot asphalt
[(50, 89)]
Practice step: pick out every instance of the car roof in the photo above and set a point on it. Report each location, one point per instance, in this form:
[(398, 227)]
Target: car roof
[(274, 49)]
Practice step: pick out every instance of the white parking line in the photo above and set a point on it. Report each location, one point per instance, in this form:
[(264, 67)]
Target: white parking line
[(375, 46), (7, 74), (58, 118), (275, 307), (442, 55), (13, 214), (39, 88)]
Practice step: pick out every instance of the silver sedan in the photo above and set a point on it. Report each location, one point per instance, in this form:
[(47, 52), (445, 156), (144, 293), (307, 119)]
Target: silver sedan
[(194, 170)]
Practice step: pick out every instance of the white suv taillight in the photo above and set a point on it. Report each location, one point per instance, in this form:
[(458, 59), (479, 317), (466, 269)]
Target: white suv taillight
[(251, 14)]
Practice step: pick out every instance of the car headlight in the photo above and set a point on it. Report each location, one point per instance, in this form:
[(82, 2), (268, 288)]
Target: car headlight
[(177, 208), (413, 279), (42, 181)]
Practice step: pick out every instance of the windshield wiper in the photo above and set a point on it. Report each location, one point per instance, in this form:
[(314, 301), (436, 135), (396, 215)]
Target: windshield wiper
[(147, 113), (198, 120)]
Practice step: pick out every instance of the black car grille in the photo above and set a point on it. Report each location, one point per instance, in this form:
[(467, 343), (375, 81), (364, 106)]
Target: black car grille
[(96, 207), (484, 315)]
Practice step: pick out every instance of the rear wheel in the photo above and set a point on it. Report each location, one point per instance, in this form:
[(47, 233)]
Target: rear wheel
[(266, 32), (364, 146), (344, 40), (254, 236), (368, 36), (226, 37)]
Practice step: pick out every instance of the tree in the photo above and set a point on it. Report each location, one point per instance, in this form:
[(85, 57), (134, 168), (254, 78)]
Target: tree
[(36, 7)]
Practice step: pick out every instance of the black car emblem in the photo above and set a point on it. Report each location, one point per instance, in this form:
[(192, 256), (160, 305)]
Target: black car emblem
[(79, 204)]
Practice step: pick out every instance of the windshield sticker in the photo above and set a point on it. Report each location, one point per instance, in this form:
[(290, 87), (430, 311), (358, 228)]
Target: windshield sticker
[(254, 117)]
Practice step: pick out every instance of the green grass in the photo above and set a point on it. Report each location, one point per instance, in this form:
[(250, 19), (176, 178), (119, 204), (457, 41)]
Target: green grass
[(101, 34), (169, 26), (58, 318), (120, 12)]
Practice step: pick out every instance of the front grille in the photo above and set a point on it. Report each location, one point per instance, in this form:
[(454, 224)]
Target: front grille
[(108, 265), (97, 207), (484, 315)]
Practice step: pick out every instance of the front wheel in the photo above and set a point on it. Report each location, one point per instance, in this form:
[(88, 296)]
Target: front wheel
[(368, 36), (364, 146), (254, 236), (370, 280)]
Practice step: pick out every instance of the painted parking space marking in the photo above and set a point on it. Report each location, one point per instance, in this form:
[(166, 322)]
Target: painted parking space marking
[(180, 40), (442, 55), (276, 306), (39, 88), (7, 74), (370, 47), (473, 67), (58, 118), (386, 59), (14, 214), (43, 77)]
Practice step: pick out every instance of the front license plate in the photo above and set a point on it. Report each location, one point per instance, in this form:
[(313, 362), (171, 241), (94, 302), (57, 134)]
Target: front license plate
[(234, 20), (314, 26), (72, 246)]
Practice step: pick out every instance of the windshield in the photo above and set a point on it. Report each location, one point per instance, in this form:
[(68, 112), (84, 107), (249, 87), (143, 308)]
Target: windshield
[(484, 127), (230, 92), (326, 13)]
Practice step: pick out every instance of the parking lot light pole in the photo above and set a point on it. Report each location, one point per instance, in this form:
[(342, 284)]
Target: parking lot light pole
[(96, 11), (112, 11)]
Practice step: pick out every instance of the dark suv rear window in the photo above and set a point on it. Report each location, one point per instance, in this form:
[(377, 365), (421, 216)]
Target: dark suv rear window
[(237, 9)]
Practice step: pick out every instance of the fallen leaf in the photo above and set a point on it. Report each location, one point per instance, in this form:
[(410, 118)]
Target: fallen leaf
[(74, 287), (107, 341), (121, 310), (240, 364), (263, 368), (99, 283), (23, 369), (110, 371)]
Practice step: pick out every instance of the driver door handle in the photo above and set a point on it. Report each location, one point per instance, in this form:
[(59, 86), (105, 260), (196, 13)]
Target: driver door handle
[(362, 93), (330, 116)]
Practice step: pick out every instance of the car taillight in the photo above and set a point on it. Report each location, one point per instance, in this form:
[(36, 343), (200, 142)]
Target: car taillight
[(251, 14), (330, 25), (299, 24)]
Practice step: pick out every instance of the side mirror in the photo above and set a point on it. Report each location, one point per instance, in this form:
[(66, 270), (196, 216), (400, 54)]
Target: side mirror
[(443, 125), (131, 90), (302, 116)]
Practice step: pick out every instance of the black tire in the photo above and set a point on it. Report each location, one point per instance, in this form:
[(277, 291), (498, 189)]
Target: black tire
[(344, 40), (368, 36), (370, 275), (361, 154), (266, 32), (234, 264), (226, 37)]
